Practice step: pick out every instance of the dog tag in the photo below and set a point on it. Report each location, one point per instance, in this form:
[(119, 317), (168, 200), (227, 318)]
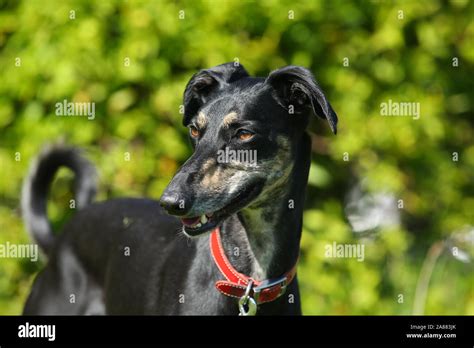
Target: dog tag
[(251, 305)]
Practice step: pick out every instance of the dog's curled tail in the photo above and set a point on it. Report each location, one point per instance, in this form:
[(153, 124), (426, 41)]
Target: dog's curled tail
[(36, 186)]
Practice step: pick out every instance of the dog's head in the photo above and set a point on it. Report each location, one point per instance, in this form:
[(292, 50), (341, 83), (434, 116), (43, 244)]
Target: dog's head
[(242, 130)]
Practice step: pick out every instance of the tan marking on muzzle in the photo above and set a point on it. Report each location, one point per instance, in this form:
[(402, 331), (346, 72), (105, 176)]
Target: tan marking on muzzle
[(213, 178), (208, 165)]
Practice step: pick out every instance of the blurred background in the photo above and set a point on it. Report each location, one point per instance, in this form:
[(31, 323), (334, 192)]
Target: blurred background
[(401, 186)]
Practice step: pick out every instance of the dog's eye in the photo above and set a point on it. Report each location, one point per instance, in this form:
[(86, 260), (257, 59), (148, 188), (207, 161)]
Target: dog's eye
[(244, 134), (193, 131)]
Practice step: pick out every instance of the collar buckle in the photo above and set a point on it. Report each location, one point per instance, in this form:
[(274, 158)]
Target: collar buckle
[(268, 284), (244, 287)]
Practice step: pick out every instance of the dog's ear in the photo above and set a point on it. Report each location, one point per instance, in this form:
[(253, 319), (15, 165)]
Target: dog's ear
[(201, 86), (295, 86)]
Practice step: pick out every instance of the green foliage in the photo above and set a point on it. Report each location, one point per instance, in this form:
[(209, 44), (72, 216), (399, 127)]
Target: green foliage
[(407, 59)]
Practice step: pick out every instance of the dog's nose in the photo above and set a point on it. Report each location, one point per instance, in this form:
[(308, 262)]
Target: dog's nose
[(173, 203)]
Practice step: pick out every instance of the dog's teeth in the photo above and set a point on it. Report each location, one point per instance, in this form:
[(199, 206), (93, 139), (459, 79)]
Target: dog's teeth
[(203, 219), (198, 225)]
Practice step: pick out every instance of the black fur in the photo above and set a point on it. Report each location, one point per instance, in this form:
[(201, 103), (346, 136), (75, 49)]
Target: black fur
[(36, 187), (127, 256)]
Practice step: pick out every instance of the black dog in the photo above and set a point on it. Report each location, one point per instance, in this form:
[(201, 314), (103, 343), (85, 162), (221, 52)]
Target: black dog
[(124, 256)]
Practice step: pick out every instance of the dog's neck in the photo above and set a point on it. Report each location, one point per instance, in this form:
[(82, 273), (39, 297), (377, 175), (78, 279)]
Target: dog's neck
[(263, 240)]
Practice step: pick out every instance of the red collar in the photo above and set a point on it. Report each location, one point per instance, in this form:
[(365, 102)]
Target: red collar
[(236, 283)]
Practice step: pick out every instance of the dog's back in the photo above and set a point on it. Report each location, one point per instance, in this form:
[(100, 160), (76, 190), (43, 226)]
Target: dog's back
[(118, 244)]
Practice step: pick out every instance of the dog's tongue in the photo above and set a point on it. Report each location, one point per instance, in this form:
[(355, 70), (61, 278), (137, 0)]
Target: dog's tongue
[(191, 221)]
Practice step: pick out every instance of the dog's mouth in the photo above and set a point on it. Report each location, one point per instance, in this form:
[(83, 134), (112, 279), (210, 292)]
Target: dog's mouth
[(197, 225)]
